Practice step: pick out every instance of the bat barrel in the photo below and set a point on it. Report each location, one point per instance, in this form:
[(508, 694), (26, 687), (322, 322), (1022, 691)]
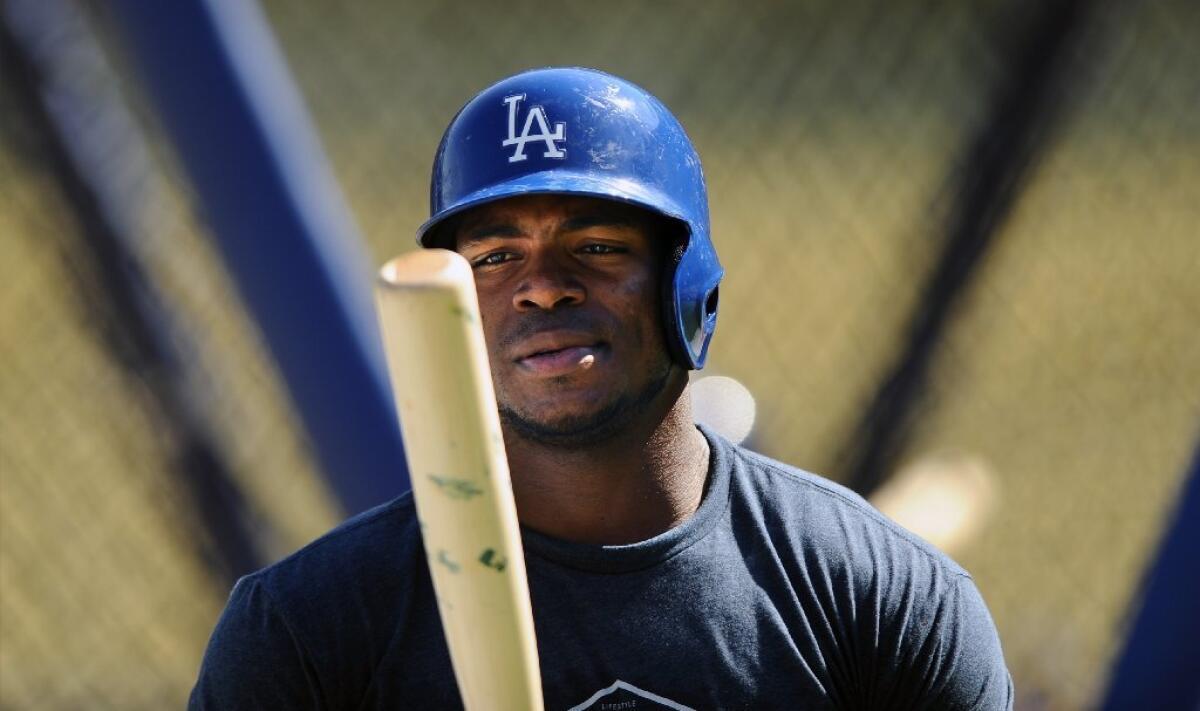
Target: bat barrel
[(426, 267), (437, 359)]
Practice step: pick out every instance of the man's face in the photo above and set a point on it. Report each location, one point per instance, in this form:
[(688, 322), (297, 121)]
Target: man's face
[(569, 294)]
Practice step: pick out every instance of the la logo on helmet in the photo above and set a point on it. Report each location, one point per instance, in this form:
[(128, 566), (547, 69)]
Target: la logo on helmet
[(535, 115)]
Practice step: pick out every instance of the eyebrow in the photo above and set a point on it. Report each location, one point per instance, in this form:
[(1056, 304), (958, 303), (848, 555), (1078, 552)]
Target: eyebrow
[(489, 230), (586, 220), (486, 230)]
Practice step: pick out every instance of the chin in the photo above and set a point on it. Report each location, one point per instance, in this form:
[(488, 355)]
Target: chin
[(567, 415), (567, 430), (572, 419)]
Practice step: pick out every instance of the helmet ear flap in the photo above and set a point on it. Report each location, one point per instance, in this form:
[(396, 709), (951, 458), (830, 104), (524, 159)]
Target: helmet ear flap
[(676, 235), (689, 316)]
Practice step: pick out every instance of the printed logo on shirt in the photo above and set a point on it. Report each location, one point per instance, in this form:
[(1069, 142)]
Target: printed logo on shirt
[(623, 696)]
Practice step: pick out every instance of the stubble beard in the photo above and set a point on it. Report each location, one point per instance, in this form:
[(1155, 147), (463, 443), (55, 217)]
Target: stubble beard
[(590, 429)]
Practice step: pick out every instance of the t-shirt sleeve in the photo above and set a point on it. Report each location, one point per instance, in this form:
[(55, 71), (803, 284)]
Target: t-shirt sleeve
[(254, 660), (962, 660)]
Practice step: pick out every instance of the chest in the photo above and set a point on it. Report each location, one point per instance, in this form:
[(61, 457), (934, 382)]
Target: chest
[(678, 637)]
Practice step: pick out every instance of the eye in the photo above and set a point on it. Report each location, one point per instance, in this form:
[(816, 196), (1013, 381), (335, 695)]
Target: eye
[(601, 248), (492, 259)]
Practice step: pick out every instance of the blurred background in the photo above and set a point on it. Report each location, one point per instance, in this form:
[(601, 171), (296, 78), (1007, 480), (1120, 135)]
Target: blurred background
[(960, 242)]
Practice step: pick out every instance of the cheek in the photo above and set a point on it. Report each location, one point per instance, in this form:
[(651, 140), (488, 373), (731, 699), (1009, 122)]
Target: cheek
[(491, 320), (639, 306)]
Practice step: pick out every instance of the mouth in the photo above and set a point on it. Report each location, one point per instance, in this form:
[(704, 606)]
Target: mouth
[(554, 354)]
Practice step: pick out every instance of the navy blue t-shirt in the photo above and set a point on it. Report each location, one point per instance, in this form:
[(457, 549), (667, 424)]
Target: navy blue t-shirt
[(782, 591)]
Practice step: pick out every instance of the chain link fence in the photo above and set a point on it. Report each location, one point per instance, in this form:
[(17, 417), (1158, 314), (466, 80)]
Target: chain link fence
[(131, 376), (836, 139)]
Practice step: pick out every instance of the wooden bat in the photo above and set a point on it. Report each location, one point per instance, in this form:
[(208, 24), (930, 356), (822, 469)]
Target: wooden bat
[(429, 317)]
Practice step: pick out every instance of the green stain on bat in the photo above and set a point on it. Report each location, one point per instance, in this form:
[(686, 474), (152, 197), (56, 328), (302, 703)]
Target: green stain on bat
[(461, 489), (444, 559), (493, 560), (466, 314)]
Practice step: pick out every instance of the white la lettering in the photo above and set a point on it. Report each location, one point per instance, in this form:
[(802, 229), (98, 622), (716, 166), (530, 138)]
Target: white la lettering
[(538, 114)]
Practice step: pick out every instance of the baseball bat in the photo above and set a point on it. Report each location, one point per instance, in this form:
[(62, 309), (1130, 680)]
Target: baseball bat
[(429, 318)]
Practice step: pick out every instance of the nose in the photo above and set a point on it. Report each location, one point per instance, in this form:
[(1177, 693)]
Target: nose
[(548, 285)]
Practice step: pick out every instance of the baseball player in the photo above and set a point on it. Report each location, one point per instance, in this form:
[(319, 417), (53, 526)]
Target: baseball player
[(668, 568)]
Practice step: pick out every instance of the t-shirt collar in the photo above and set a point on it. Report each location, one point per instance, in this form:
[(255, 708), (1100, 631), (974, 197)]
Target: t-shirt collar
[(645, 554)]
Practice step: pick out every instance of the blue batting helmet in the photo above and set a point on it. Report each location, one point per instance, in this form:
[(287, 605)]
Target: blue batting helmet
[(583, 132)]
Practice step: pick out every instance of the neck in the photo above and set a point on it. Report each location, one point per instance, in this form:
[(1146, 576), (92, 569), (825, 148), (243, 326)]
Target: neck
[(646, 479)]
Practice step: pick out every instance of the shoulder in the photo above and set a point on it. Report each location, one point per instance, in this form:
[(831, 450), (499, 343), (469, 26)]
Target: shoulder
[(370, 551), (817, 527), (390, 522), (831, 514), (305, 631), (908, 604)]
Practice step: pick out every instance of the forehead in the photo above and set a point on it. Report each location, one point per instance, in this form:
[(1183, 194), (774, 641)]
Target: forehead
[(551, 208)]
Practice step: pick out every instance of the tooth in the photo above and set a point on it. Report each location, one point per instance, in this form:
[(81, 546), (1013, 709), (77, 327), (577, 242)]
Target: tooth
[(586, 361)]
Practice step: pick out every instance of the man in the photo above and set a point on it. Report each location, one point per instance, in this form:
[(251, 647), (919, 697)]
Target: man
[(667, 567)]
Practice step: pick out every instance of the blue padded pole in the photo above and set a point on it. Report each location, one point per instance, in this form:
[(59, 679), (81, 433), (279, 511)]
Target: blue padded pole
[(1158, 668), (238, 124)]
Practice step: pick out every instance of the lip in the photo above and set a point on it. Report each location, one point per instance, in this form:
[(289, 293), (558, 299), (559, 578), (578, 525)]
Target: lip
[(555, 340), (561, 362), (559, 352)]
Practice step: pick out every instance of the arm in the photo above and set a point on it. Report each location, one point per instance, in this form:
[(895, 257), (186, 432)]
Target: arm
[(254, 660), (960, 664)]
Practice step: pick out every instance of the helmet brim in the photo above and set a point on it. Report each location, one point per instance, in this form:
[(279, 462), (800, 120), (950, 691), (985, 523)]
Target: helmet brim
[(555, 182)]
